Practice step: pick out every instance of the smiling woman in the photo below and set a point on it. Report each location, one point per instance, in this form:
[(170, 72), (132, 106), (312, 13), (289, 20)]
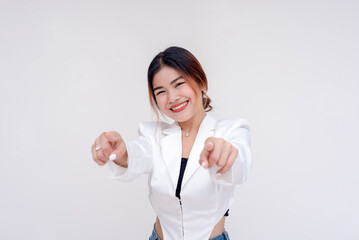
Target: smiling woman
[(186, 65), (175, 97), (190, 201)]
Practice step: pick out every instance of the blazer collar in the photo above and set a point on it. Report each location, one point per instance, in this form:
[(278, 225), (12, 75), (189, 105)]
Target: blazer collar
[(208, 124), (171, 147)]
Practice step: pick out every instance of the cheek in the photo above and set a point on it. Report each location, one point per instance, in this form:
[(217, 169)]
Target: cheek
[(189, 92), (161, 101)]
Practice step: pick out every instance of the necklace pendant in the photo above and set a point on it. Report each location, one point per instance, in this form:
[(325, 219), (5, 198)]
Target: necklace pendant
[(186, 134)]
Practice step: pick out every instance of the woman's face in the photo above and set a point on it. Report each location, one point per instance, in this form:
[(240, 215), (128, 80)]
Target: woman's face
[(175, 97)]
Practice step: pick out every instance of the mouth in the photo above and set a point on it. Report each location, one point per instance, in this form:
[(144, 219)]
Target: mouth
[(179, 107)]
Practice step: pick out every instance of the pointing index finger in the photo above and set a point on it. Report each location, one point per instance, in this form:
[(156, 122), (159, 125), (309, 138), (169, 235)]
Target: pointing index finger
[(208, 147), (112, 138)]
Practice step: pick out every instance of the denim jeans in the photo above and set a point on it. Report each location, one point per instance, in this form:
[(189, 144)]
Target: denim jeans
[(222, 236)]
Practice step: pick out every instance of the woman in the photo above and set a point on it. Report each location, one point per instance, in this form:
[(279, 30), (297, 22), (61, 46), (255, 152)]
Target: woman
[(190, 201)]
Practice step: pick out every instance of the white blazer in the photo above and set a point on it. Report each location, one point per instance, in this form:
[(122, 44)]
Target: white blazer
[(205, 197)]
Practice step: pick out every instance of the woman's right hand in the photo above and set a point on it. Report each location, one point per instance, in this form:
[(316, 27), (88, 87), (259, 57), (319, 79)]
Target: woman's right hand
[(109, 146)]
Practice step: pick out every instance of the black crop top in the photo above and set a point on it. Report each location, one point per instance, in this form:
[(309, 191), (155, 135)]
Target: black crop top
[(180, 178)]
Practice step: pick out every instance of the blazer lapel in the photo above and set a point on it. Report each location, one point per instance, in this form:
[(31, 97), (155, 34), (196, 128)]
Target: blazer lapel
[(205, 131), (171, 147)]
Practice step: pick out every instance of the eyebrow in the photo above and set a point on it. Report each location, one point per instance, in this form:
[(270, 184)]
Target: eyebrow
[(172, 82)]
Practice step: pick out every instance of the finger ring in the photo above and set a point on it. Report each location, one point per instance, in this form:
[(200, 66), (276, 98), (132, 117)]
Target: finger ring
[(98, 148)]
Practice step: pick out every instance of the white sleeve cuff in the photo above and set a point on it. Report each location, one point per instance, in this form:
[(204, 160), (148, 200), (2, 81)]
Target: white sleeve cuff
[(115, 170)]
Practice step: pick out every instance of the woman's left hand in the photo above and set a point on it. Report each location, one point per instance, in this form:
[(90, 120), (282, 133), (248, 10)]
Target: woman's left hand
[(220, 152)]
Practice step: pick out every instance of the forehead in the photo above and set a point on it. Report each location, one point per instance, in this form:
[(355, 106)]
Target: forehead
[(165, 76)]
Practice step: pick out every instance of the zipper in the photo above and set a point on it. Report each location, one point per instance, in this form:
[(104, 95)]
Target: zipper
[(180, 202)]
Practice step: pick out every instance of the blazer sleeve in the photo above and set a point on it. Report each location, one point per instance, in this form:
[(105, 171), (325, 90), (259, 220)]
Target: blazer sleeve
[(235, 132), (139, 155)]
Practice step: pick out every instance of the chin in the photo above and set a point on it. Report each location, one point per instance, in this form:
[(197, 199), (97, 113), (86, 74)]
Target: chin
[(182, 118)]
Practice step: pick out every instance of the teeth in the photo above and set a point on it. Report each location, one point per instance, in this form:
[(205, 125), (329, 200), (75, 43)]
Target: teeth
[(178, 107)]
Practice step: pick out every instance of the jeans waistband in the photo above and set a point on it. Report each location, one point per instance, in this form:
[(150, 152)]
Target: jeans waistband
[(222, 236)]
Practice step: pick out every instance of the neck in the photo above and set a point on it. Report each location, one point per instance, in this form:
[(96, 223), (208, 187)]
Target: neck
[(192, 124)]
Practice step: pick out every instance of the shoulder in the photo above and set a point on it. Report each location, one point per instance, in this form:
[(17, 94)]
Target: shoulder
[(226, 127), (151, 127), (232, 123)]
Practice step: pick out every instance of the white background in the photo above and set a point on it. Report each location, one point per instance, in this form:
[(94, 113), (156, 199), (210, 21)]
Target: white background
[(72, 69)]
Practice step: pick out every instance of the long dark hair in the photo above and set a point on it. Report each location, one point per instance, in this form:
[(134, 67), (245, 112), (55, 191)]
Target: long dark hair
[(184, 62)]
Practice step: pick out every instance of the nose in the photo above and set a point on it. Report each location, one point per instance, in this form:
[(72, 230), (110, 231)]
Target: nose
[(173, 97)]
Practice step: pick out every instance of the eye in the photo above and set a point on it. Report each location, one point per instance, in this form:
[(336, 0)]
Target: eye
[(179, 84), (159, 92)]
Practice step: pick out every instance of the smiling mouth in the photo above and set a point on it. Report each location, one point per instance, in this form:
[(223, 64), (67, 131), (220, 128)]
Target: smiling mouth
[(179, 107)]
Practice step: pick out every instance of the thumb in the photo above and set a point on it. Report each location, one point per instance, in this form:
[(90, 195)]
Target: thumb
[(115, 140), (113, 156), (116, 154), (119, 154)]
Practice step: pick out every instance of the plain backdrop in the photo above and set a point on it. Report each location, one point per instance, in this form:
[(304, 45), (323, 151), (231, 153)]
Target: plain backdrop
[(70, 70)]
